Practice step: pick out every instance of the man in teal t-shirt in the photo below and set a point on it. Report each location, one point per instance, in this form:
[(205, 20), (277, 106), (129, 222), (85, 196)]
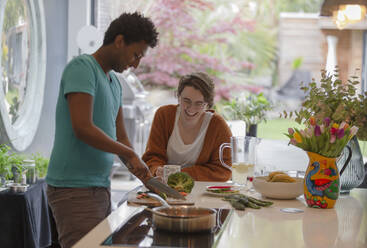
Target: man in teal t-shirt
[(90, 130)]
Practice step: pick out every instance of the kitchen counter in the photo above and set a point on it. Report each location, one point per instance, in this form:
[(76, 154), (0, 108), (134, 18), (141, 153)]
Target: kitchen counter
[(343, 226)]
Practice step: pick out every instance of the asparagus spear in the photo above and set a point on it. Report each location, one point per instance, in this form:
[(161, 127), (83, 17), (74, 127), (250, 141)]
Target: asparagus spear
[(266, 202), (241, 201), (237, 205)]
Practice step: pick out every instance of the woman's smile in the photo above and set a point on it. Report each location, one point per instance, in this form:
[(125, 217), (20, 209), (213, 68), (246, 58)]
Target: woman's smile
[(190, 114)]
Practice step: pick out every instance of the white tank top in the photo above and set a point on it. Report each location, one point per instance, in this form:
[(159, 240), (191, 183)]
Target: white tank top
[(186, 155)]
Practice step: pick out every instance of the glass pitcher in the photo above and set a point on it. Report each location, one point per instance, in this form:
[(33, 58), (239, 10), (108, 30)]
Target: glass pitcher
[(243, 158), (355, 172)]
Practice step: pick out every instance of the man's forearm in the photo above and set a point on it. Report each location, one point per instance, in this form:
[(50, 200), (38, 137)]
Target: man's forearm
[(96, 138), (126, 142)]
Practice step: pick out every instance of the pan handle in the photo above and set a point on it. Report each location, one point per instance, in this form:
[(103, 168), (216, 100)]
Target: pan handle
[(160, 199)]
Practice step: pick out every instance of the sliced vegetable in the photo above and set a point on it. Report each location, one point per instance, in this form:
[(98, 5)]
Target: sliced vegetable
[(142, 195), (181, 181), (163, 195), (183, 193), (220, 187)]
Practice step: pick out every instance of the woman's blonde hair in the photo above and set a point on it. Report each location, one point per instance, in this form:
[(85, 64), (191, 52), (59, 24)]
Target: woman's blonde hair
[(200, 81)]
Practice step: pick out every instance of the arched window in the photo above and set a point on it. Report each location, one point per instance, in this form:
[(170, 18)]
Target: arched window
[(22, 70)]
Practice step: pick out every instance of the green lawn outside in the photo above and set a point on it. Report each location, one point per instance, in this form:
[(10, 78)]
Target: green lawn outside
[(275, 129)]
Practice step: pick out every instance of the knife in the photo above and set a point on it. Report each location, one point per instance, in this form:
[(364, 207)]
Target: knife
[(157, 185)]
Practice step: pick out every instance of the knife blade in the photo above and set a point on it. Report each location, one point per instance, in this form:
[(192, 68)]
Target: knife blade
[(163, 188)]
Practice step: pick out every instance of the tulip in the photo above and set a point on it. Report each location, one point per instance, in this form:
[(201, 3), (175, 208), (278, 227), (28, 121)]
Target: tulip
[(293, 142), (340, 133), (290, 131), (312, 121), (342, 125), (333, 131), (332, 139), (318, 130), (303, 133), (335, 125), (327, 121), (353, 131), (309, 132), (297, 137), (346, 126), (322, 128)]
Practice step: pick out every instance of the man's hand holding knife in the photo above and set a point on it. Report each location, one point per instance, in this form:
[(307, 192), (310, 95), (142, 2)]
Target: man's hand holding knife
[(138, 168), (141, 171)]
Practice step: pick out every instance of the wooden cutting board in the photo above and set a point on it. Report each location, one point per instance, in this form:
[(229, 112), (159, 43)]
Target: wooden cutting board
[(131, 199)]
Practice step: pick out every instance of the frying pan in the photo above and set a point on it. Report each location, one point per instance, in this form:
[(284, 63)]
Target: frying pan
[(182, 218)]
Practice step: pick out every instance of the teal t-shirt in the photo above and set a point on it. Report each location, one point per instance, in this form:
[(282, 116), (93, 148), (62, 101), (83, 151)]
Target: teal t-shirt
[(73, 163)]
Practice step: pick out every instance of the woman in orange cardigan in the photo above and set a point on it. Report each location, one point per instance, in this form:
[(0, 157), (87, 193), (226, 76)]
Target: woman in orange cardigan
[(189, 134)]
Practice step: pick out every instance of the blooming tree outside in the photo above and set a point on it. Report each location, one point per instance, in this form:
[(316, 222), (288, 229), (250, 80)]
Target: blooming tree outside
[(233, 41), (197, 35)]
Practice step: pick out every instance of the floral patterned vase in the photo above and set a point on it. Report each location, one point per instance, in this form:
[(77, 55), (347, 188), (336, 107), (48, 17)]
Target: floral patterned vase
[(322, 181)]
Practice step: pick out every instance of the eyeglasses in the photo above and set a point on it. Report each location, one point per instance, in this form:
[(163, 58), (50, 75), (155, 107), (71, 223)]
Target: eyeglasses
[(197, 105)]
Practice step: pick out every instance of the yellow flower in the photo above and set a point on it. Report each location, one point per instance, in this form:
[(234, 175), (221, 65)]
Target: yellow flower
[(335, 125), (297, 137)]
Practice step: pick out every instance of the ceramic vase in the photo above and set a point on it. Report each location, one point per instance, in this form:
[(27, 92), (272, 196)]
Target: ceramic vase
[(322, 181)]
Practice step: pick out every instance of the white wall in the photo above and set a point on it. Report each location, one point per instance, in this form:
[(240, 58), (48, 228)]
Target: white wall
[(79, 15)]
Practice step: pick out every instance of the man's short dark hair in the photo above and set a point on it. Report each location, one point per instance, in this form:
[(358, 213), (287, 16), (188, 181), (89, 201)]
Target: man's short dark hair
[(134, 27)]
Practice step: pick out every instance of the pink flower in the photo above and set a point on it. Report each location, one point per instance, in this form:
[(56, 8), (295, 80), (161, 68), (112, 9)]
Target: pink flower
[(322, 128), (318, 130), (290, 131), (353, 131), (342, 125), (332, 138), (303, 133), (309, 132), (293, 141), (327, 121)]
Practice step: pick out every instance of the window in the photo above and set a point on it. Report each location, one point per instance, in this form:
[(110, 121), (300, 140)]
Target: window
[(22, 70)]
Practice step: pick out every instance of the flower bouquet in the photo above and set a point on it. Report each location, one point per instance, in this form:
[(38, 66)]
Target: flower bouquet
[(323, 142), (333, 114), (327, 139)]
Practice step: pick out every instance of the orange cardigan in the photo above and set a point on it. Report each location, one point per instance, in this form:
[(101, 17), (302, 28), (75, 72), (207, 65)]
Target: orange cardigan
[(207, 166)]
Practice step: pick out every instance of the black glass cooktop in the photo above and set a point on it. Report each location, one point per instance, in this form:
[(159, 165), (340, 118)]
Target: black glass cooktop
[(139, 232)]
